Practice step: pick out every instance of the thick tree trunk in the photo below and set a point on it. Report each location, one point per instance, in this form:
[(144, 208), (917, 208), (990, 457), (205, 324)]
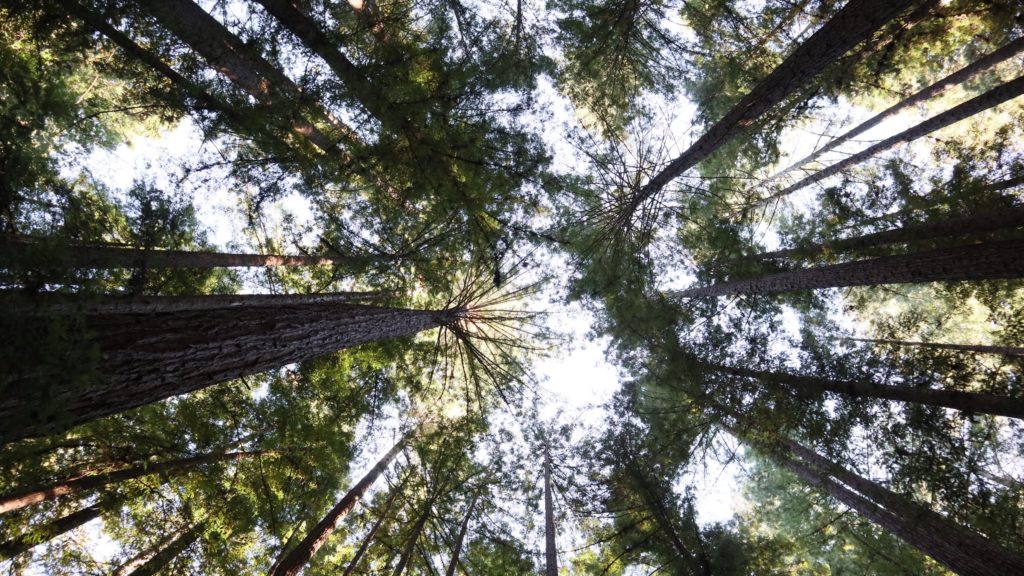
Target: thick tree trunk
[(972, 402), (169, 552), (453, 564), (292, 562), (984, 261), (550, 549), (853, 24), (368, 539), (40, 534), (984, 63), (33, 495), (250, 72), (1000, 350), (147, 357), (15, 248), (973, 224), (990, 99), (112, 304)]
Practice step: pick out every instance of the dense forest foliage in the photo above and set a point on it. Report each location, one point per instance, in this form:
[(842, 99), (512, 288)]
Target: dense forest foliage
[(301, 330)]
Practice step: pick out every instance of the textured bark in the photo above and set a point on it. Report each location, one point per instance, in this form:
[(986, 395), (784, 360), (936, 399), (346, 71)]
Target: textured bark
[(147, 357), (41, 534), (984, 63), (294, 561), (990, 99), (550, 550), (14, 248), (368, 539), (973, 224), (853, 24), (33, 495), (972, 402), (1001, 350), (59, 303), (250, 72), (161, 559), (453, 564), (983, 261)]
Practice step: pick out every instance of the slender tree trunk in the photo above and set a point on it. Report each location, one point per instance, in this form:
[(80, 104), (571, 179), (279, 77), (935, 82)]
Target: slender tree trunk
[(33, 495), (1001, 350), (292, 562), (250, 72), (40, 534), (147, 357), (170, 551), (984, 261), (550, 550), (457, 549), (371, 534), (15, 248), (853, 24), (972, 402), (980, 65), (149, 553), (980, 222), (414, 535), (990, 99)]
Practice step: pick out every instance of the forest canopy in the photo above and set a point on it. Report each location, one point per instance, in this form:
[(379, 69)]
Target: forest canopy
[(296, 286)]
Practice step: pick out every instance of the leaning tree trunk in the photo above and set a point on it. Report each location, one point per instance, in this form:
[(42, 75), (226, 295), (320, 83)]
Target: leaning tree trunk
[(41, 493), (984, 261), (971, 402), (1000, 350), (453, 564), (155, 564), (977, 223), (980, 65), (550, 550), (41, 534), (990, 99), (292, 562), (856, 22), (149, 356), (368, 539), (414, 535), (16, 250), (147, 554)]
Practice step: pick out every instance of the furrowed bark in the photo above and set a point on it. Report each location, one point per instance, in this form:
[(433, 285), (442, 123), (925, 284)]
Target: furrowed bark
[(42, 534), (853, 24), (292, 562), (59, 303), (984, 261), (990, 99), (984, 63)]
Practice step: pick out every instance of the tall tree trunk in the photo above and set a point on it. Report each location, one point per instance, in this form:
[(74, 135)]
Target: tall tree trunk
[(1001, 350), (453, 564), (853, 24), (980, 65), (250, 72), (368, 539), (291, 562), (972, 224), (990, 99), (973, 402), (35, 494), (40, 534), (147, 554), (51, 303), (169, 552), (550, 550), (414, 535), (147, 357), (15, 248), (984, 261)]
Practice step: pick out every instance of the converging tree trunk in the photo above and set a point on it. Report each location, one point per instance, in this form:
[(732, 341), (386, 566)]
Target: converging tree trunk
[(368, 539), (33, 495), (977, 67), (152, 355), (1000, 350), (42, 534), (984, 261), (147, 554), (856, 22), (550, 550), (414, 535), (453, 564), (292, 562), (990, 99), (168, 552), (972, 402)]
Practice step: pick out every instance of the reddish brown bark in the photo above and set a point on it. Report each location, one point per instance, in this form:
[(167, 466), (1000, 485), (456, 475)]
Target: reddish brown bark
[(295, 560)]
